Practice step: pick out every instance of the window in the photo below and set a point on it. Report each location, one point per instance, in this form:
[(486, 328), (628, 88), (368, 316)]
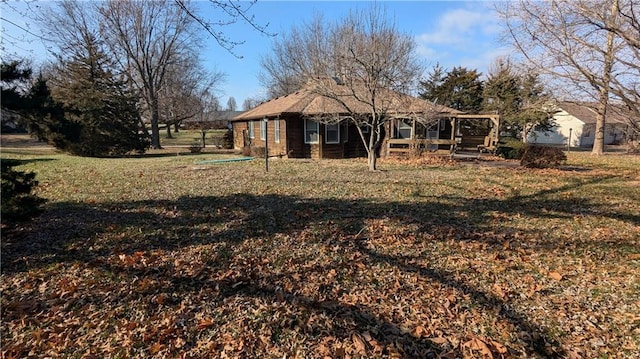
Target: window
[(276, 130), (263, 130), (250, 129), (332, 133), (310, 131), (404, 129), (432, 130)]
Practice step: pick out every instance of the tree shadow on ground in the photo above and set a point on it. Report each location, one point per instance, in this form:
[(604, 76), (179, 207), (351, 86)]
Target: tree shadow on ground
[(96, 234)]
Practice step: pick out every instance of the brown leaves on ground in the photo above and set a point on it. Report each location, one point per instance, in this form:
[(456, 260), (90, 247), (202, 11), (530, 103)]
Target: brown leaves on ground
[(328, 262)]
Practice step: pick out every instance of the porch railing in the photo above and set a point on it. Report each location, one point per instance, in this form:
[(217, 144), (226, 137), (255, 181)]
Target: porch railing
[(401, 145)]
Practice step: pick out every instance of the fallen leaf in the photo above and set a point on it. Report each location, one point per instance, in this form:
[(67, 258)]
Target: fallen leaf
[(555, 275), (358, 343)]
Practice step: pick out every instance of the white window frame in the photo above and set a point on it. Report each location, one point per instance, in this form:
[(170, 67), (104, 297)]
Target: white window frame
[(263, 130), (326, 133), (306, 130), (276, 130), (251, 129)]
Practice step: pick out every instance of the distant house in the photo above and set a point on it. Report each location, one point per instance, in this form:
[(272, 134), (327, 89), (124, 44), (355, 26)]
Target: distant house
[(293, 129), (578, 120)]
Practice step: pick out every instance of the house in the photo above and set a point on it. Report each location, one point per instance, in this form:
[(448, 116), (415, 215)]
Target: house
[(575, 125), (306, 124)]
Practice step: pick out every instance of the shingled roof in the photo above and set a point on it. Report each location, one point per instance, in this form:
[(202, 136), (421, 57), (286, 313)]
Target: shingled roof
[(307, 102), (586, 112)]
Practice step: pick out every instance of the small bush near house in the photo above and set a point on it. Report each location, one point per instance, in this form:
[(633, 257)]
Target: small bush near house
[(18, 204), (195, 147), (542, 157), (511, 149), (227, 140), (257, 151)]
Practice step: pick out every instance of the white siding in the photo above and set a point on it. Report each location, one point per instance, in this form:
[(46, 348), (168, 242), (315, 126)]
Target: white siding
[(560, 133)]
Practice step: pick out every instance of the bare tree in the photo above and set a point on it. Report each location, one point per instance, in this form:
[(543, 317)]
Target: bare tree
[(147, 37), (228, 12), (250, 103), (231, 104), (295, 57), (626, 79), (183, 92), (559, 39), (363, 63)]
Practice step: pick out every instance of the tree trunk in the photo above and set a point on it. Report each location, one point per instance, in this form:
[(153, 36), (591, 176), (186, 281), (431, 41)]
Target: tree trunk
[(155, 128), (371, 151), (176, 127), (598, 143), (372, 161), (169, 131)]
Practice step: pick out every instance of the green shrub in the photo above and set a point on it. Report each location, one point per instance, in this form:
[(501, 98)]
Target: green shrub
[(18, 204), (196, 146), (542, 157), (227, 140), (511, 149)]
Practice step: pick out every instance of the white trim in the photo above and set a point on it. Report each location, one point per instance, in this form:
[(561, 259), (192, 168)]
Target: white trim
[(326, 134), (317, 131)]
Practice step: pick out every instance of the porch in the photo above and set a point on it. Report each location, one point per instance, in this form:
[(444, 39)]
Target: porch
[(448, 135)]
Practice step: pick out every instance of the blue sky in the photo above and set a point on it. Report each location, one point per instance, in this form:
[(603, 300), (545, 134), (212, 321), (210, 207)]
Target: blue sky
[(452, 33)]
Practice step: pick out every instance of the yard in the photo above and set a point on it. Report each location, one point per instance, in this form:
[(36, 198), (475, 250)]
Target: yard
[(162, 257)]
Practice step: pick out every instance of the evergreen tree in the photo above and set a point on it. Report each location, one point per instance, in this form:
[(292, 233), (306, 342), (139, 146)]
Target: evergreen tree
[(460, 88), (14, 78), (18, 202), (432, 85), (518, 98), (45, 120), (101, 113)]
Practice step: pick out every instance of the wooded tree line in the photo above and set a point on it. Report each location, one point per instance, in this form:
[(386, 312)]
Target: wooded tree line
[(121, 69), (517, 95), (144, 51)]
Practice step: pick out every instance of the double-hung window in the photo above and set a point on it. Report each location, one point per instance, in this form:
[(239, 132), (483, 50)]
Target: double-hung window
[(310, 131), (251, 129), (276, 130), (332, 133), (263, 130)]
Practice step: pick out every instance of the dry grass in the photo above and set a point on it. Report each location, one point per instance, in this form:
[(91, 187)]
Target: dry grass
[(161, 257)]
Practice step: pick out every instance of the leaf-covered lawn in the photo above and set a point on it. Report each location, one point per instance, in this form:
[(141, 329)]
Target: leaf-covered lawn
[(162, 257)]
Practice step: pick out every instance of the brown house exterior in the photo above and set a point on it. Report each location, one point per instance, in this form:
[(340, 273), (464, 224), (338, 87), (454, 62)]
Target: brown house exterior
[(291, 135), (288, 124)]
